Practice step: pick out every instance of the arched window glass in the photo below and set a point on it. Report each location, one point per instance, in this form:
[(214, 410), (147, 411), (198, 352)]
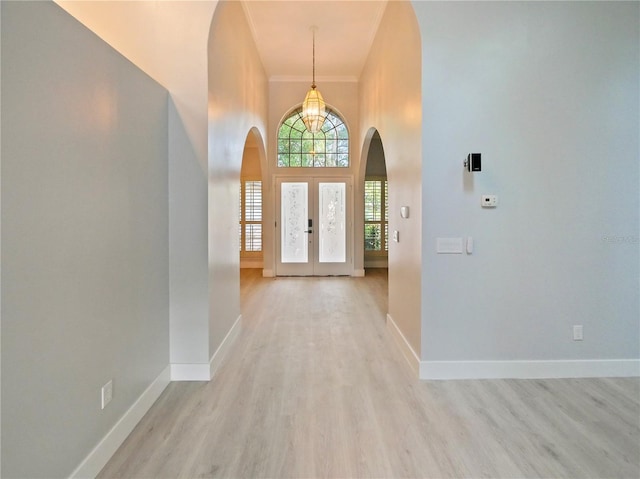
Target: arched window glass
[(328, 148)]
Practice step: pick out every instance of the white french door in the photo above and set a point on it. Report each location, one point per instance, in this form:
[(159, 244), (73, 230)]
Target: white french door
[(313, 226)]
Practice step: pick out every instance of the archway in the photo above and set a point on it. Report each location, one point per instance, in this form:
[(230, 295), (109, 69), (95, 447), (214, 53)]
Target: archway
[(374, 230), (250, 233), (376, 205)]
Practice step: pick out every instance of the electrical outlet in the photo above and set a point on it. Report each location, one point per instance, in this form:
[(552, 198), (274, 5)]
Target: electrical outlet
[(577, 332), (107, 393)]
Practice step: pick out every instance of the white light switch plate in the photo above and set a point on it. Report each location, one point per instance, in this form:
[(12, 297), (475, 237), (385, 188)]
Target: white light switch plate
[(449, 246), (577, 332), (107, 394)]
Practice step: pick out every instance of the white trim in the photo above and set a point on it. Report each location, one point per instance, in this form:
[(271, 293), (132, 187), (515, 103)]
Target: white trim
[(406, 349), (319, 79), (591, 368), (224, 348), (358, 273), (204, 371), (268, 273), (190, 372), (100, 455)]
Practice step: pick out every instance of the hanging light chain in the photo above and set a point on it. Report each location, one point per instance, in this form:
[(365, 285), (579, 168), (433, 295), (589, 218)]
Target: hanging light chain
[(313, 81), (313, 107)]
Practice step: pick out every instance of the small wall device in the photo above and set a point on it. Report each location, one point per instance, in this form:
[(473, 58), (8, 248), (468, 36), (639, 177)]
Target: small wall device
[(404, 211), (489, 201), (473, 162)]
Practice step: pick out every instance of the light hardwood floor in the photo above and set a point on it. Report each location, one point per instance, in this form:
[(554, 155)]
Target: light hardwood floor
[(316, 388)]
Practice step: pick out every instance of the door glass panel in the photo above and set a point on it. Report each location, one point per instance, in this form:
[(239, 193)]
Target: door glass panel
[(294, 217), (333, 231)]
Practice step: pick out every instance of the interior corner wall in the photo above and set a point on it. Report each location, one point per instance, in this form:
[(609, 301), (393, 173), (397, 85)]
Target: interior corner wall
[(390, 101), (165, 39), (85, 290), (547, 92), (189, 278), (237, 103), (168, 41)]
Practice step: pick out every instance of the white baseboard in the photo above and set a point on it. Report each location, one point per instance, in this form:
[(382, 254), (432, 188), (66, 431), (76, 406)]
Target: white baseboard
[(358, 273), (190, 372), (592, 368), (205, 371), (529, 369), (268, 273), (100, 455), (406, 349), (224, 348)]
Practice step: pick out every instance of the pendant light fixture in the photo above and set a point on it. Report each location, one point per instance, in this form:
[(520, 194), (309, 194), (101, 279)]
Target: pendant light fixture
[(313, 107)]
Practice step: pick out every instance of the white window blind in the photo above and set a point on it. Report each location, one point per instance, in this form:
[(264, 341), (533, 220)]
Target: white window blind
[(250, 230), (376, 213)]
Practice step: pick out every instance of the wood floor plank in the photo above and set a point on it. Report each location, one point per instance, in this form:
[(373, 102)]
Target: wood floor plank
[(315, 387)]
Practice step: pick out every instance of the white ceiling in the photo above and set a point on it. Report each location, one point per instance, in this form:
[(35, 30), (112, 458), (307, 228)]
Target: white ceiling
[(345, 32)]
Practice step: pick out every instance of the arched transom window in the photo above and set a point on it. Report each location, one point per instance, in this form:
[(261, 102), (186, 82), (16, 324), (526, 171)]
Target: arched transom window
[(297, 148)]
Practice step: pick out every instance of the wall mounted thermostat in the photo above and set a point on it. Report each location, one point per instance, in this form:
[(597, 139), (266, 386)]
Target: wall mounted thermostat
[(473, 162), (404, 211), (489, 201)]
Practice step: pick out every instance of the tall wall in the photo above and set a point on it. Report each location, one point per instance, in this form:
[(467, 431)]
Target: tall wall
[(548, 93), (390, 102), (189, 279), (165, 39), (85, 290), (168, 41), (238, 96)]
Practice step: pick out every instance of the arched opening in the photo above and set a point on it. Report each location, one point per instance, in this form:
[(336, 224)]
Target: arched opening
[(375, 221), (376, 206), (250, 214)]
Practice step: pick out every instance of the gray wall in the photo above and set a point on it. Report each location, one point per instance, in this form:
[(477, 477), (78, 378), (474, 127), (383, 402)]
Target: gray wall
[(85, 238), (188, 266), (237, 104), (376, 165), (548, 93)]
